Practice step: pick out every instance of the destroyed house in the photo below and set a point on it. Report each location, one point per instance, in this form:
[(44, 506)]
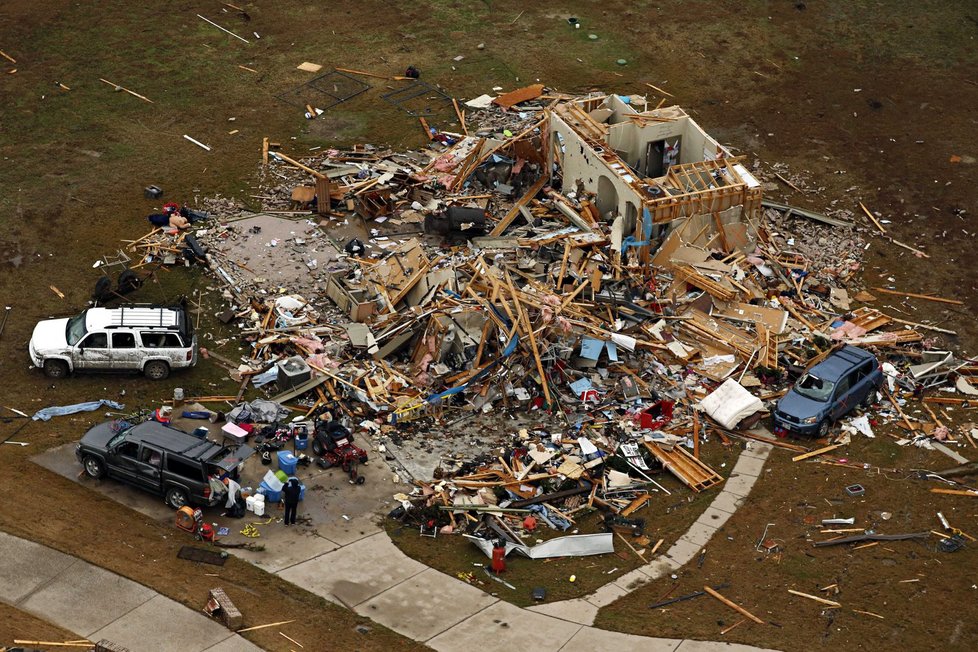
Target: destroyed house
[(649, 170)]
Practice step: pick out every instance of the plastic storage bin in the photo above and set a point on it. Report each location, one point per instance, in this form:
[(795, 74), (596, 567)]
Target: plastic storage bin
[(287, 462)]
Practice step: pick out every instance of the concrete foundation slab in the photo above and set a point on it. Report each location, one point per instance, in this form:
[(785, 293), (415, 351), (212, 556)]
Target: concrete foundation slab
[(425, 605), (504, 628)]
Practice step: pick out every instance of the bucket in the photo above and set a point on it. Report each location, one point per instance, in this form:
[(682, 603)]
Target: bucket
[(302, 441), (286, 463), (177, 395)]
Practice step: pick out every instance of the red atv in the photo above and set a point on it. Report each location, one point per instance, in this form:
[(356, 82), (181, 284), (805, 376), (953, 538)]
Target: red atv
[(333, 445)]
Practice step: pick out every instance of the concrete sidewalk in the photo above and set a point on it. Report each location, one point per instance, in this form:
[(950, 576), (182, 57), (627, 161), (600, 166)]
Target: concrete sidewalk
[(97, 604), (374, 578)]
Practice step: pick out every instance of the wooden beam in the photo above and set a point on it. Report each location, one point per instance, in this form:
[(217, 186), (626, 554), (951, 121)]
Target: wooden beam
[(736, 607), (515, 210), (818, 451), (919, 296), (831, 603), (872, 217)]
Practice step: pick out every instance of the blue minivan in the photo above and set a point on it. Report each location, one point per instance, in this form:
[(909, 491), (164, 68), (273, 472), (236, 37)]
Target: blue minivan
[(828, 391)]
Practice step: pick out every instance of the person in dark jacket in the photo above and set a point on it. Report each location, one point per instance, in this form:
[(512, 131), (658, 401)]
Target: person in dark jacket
[(290, 494)]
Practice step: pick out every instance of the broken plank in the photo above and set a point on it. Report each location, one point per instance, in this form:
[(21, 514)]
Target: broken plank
[(733, 605), (831, 603), (819, 451), (919, 296)]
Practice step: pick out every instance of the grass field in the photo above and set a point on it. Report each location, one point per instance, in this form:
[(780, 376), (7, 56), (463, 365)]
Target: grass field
[(866, 99)]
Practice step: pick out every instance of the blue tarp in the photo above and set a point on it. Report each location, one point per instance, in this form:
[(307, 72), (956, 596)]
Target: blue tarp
[(61, 410)]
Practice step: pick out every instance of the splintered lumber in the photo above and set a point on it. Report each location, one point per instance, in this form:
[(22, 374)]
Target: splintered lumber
[(733, 605), (872, 217), (506, 100), (858, 538), (636, 505), (919, 296), (819, 451), (689, 275), (955, 492), (122, 88), (361, 72), (251, 629), (461, 118), (515, 210), (694, 473), (831, 603), (659, 90)]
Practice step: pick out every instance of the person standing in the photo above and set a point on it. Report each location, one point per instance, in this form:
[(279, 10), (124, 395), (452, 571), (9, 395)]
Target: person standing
[(290, 494)]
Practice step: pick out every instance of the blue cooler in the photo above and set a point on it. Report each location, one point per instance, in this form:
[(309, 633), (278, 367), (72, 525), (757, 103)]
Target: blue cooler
[(301, 441), (270, 496), (287, 462)]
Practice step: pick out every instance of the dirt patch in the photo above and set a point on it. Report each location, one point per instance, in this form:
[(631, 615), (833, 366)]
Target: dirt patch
[(20, 625)]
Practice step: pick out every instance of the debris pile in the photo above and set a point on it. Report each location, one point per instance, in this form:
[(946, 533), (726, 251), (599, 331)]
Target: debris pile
[(588, 257)]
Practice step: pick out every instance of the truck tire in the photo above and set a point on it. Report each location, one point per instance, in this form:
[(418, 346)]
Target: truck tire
[(176, 497), (55, 368), (156, 370), (94, 468)]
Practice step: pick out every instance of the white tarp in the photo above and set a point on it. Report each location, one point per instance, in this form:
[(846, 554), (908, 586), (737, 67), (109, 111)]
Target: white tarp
[(730, 404), (574, 545)]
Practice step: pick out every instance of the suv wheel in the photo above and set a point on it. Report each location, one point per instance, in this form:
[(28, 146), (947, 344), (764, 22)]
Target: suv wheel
[(870, 399), (93, 467), (176, 497), (156, 370), (823, 429), (55, 368)]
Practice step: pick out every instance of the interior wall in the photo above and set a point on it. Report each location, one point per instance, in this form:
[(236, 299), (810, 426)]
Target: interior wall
[(580, 164)]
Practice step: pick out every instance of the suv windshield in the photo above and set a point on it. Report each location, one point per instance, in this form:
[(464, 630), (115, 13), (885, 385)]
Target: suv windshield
[(75, 329), (814, 388), (120, 437)]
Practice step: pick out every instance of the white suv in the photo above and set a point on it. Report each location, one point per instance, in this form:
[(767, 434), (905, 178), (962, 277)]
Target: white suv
[(149, 339)]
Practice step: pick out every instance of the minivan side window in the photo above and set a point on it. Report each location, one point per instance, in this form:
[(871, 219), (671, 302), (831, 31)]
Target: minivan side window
[(183, 468), (95, 341)]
